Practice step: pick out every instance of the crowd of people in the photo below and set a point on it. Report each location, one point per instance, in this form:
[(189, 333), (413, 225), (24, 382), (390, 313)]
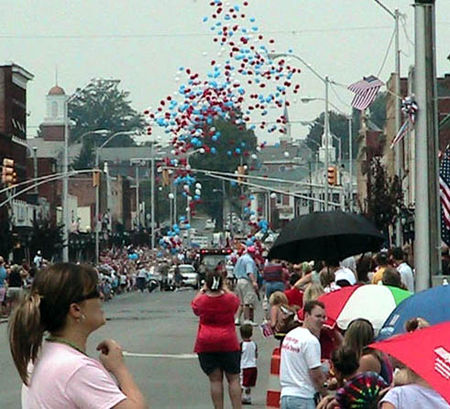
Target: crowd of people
[(321, 367)]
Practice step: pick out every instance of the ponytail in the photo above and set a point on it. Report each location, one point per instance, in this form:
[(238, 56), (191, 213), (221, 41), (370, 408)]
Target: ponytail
[(214, 281), (25, 333)]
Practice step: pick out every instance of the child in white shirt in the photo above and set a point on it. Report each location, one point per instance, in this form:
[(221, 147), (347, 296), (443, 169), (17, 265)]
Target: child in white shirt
[(249, 354)]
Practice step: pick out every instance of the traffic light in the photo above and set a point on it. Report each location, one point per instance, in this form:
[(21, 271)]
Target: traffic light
[(241, 172), (96, 178), (332, 175), (9, 176)]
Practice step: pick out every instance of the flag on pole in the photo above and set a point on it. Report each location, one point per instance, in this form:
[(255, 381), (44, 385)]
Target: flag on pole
[(444, 189), (401, 133), (365, 91)]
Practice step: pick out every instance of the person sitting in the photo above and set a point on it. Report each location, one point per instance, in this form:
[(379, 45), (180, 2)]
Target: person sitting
[(294, 294), (358, 335), (416, 394), (382, 261), (356, 390), (64, 301), (392, 278), (282, 317)]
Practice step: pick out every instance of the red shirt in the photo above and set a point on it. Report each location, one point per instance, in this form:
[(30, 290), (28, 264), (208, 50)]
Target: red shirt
[(216, 329), (294, 296)]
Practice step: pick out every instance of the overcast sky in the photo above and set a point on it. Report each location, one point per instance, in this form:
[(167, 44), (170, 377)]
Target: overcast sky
[(144, 42)]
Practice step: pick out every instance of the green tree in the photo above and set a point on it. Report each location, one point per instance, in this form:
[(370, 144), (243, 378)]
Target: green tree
[(102, 105), (384, 196), (226, 159), (338, 127)]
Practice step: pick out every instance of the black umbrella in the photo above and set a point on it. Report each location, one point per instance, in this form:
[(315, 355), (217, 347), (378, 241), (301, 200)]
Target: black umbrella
[(331, 235)]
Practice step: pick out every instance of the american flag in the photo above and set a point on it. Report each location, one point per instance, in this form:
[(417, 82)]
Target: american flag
[(401, 133), (366, 91), (444, 182)]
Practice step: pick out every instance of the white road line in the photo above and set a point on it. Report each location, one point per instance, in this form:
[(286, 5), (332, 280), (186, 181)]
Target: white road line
[(173, 356)]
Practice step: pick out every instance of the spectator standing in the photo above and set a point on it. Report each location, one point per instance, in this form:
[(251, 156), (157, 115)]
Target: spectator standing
[(249, 356), (274, 276), (301, 375), (15, 284), (403, 268), (64, 301), (38, 259), (3, 276), (246, 272), (217, 344)]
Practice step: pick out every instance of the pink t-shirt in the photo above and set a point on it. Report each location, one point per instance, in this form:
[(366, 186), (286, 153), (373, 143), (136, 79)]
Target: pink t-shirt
[(65, 378)]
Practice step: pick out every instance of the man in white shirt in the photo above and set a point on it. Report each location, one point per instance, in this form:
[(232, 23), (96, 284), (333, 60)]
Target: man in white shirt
[(403, 268), (301, 375)]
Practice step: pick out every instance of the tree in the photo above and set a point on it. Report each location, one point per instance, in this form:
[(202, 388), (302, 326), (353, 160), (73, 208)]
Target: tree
[(338, 127), (384, 196), (234, 147), (101, 105)]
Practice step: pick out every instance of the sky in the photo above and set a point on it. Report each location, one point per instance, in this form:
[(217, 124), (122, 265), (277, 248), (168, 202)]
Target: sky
[(144, 42)]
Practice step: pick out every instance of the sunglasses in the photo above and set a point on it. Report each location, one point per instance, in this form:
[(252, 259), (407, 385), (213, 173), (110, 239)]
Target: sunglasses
[(95, 293)]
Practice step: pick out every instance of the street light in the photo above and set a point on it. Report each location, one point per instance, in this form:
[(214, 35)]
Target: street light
[(350, 143), (65, 201), (326, 82), (97, 191)]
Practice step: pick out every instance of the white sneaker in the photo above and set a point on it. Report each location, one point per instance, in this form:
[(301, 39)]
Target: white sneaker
[(237, 321), (252, 323)]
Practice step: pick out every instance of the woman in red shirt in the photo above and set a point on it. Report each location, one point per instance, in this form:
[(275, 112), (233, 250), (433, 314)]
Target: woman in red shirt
[(217, 344)]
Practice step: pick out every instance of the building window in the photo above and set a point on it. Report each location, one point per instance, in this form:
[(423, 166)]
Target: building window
[(54, 109)]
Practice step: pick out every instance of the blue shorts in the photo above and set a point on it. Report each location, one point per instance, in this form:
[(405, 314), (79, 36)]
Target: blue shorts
[(296, 402)]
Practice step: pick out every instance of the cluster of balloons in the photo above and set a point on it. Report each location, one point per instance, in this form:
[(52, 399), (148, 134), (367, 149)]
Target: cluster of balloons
[(243, 80)]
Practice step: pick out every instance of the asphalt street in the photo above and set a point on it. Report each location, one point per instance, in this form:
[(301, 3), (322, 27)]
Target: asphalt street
[(163, 326)]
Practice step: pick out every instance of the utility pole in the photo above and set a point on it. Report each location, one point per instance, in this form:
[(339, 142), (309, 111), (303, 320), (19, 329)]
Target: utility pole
[(138, 210), (399, 145), (350, 161), (427, 211), (152, 186), (327, 135)]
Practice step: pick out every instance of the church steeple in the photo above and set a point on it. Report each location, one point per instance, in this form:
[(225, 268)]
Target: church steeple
[(286, 137), (53, 125)]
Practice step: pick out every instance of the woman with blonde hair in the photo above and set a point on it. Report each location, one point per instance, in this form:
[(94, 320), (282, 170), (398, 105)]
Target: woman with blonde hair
[(312, 292), (48, 332), (282, 316)]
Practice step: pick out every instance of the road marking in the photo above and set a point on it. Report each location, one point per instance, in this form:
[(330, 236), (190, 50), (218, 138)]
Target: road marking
[(173, 356)]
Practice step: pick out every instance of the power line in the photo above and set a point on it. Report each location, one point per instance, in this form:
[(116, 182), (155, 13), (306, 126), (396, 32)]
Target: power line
[(166, 35)]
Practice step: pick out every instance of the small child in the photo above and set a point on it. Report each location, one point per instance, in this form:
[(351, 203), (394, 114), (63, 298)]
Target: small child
[(249, 354)]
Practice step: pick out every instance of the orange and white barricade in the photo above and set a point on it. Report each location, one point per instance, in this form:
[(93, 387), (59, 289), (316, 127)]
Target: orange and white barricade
[(274, 390)]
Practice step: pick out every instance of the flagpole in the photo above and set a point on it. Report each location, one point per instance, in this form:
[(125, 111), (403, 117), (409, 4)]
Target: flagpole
[(427, 222)]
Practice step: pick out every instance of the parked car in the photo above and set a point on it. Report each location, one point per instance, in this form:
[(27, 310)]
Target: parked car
[(190, 276)]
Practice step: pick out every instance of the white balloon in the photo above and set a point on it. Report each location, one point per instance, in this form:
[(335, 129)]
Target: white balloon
[(198, 192), (202, 150), (186, 188), (171, 196), (273, 195), (286, 154), (198, 185), (254, 156)]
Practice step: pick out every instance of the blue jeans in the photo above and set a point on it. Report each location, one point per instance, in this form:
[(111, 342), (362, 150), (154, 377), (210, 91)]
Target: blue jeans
[(272, 286), (295, 402)]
